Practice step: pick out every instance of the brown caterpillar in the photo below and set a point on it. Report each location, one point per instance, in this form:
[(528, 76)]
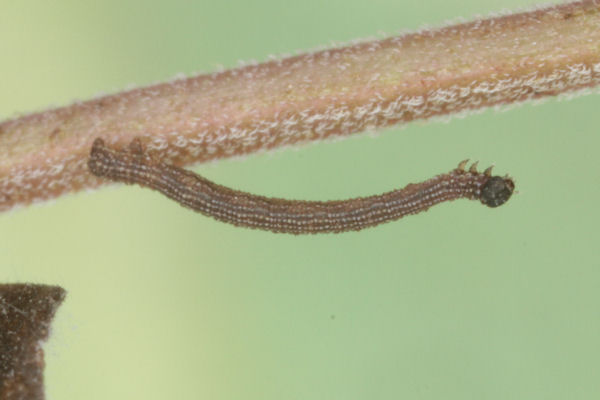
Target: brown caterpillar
[(133, 165)]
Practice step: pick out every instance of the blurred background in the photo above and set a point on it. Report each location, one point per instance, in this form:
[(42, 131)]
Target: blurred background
[(461, 302)]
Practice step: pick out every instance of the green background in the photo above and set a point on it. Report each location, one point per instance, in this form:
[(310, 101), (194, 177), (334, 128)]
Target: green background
[(461, 302)]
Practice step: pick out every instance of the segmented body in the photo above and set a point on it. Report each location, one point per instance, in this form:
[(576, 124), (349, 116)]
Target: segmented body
[(133, 165)]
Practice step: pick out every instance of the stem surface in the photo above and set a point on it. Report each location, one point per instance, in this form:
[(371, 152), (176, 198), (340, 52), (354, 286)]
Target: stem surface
[(309, 97)]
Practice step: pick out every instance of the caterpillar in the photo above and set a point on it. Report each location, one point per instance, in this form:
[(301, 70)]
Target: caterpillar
[(135, 166)]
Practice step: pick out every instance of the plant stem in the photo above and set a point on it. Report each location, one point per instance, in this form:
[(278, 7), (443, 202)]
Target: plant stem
[(309, 97)]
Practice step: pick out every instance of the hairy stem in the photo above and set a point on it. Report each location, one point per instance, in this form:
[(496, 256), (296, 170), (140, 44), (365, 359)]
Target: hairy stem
[(309, 97)]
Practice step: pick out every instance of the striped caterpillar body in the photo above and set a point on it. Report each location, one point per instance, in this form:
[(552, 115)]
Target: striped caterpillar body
[(134, 165)]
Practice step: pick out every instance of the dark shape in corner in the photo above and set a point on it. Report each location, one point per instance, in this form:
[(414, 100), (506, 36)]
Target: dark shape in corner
[(26, 311)]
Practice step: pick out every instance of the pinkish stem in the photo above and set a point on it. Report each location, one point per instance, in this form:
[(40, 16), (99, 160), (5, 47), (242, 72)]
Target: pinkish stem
[(309, 97)]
